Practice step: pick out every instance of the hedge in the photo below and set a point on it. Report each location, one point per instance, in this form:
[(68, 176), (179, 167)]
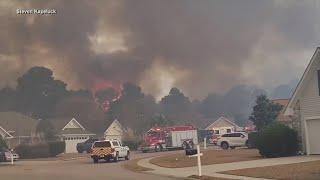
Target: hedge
[(56, 147), (277, 140), (252, 139), (41, 150)]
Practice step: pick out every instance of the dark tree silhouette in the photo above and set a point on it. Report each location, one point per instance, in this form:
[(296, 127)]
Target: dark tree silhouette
[(264, 112), (38, 92)]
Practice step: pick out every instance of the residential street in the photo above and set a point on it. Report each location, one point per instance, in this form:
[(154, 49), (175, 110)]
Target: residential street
[(80, 168)]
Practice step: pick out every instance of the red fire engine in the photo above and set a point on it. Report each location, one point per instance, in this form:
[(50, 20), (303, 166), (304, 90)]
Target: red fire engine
[(161, 138)]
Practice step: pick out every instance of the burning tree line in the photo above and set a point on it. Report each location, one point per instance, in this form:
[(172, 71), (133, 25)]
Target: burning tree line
[(39, 95)]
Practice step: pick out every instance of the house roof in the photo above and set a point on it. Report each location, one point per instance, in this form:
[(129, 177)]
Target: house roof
[(68, 125), (222, 119), (282, 102), (17, 124), (306, 75)]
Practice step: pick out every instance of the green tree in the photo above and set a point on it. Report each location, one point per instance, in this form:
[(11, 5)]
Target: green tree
[(264, 112), (38, 92)]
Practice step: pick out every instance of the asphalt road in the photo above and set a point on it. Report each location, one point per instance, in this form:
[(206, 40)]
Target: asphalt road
[(80, 168)]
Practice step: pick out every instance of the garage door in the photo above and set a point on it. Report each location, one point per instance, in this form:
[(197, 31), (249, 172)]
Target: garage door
[(71, 144), (314, 135)]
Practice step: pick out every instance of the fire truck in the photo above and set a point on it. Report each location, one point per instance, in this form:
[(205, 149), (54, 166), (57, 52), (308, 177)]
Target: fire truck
[(164, 138)]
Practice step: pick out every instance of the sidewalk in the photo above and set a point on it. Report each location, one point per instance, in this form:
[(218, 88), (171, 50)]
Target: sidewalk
[(213, 170)]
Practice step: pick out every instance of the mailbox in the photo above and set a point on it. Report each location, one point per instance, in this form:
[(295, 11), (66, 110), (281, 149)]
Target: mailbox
[(190, 152)]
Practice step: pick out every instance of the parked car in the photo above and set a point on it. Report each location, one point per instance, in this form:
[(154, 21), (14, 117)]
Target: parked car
[(233, 140), (86, 146), (6, 155), (109, 149)]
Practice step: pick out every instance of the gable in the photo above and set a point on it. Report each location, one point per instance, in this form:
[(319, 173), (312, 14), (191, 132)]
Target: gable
[(221, 122), (115, 128), (311, 85), (308, 84), (73, 124)]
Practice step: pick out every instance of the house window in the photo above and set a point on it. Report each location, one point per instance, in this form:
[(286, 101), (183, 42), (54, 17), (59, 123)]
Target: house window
[(216, 131), (228, 130), (318, 82)]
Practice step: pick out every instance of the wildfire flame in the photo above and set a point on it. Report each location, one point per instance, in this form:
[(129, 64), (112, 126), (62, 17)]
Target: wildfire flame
[(100, 85)]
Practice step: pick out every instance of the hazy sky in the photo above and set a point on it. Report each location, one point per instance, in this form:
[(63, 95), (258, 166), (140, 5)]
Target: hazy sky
[(198, 46)]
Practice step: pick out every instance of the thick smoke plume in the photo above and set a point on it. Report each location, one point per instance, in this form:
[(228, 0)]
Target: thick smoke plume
[(198, 46)]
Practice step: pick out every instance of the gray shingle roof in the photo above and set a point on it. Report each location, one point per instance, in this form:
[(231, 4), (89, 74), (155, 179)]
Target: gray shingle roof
[(17, 124), (60, 123)]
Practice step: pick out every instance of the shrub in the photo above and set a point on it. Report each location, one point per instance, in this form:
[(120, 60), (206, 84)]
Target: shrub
[(56, 147), (252, 139), (277, 140), (41, 150), (33, 150)]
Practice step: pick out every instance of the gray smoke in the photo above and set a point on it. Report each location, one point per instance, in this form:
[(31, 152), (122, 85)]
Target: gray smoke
[(198, 46)]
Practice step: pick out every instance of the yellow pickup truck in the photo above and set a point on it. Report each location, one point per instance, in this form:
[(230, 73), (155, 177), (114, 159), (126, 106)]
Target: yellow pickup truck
[(109, 149)]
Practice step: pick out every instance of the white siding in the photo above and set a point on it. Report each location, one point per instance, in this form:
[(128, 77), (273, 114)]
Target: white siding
[(310, 101), (114, 131)]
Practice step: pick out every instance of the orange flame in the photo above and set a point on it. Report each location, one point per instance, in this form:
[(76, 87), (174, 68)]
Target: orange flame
[(101, 84)]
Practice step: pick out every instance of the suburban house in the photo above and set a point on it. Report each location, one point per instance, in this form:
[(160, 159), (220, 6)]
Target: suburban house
[(72, 132), (304, 107), (282, 118), (114, 131), (16, 128), (223, 125)]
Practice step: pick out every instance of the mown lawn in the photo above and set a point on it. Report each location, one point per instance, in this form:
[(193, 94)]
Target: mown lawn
[(209, 157), (297, 171)]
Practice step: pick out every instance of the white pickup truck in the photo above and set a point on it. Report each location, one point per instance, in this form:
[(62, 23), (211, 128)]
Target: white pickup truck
[(109, 149)]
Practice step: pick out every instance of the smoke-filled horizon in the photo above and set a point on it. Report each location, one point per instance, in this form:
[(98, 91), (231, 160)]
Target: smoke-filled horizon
[(200, 47)]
